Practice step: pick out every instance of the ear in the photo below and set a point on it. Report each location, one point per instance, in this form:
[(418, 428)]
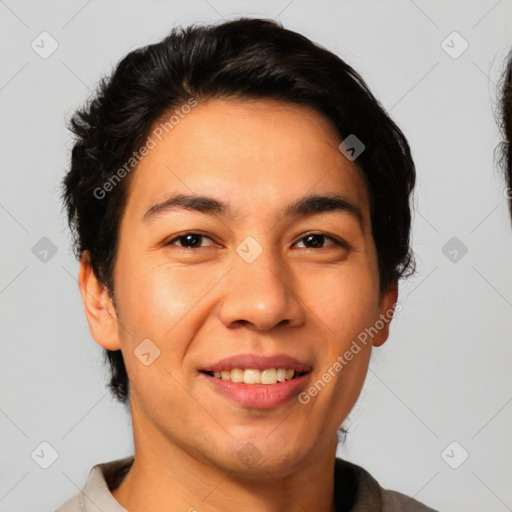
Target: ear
[(98, 306), (387, 303)]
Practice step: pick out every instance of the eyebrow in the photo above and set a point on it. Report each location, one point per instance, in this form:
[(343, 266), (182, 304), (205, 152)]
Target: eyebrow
[(304, 206)]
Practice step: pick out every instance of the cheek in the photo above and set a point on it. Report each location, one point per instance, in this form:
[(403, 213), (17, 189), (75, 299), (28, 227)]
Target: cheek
[(166, 305), (155, 298), (346, 301)]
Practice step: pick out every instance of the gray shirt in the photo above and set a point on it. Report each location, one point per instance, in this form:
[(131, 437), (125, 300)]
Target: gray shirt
[(352, 481)]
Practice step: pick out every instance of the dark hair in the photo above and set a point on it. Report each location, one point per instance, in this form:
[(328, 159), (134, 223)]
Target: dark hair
[(241, 59), (505, 123)]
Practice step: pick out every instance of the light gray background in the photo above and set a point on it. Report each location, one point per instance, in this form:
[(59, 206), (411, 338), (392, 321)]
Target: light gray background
[(444, 374)]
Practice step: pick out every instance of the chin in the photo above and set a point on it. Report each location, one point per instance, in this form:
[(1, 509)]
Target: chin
[(255, 458)]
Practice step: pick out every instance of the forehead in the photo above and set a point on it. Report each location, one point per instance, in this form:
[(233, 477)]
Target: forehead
[(252, 154)]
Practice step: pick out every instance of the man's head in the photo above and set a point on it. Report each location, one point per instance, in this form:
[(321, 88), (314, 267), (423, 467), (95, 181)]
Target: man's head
[(216, 215)]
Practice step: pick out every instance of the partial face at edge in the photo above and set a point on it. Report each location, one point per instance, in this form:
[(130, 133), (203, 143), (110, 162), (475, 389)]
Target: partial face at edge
[(306, 297)]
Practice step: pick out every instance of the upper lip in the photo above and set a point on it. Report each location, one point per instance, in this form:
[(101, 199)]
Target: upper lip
[(258, 362)]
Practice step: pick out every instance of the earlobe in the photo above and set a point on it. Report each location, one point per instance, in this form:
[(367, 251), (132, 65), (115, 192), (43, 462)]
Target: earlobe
[(98, 306), (386, 307)]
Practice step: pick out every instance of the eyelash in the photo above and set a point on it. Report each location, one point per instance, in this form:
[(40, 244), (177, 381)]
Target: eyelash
[(336, 242)]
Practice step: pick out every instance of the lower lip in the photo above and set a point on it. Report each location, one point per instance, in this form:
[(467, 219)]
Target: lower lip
[(259, 396)]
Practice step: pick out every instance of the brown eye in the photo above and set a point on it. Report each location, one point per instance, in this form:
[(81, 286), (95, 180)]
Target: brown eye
[(189, 240), (316, 240)]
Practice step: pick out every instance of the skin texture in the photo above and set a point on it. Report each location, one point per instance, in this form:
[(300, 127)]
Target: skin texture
[(203, 304)]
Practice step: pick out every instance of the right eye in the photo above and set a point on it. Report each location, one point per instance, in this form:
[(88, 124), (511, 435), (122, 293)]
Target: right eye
[(188, 240)]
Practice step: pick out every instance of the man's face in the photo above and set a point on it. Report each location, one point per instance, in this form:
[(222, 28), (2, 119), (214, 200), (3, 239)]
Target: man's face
[(254, 283)]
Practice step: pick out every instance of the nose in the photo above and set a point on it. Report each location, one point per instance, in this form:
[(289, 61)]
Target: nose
[(261, 295)]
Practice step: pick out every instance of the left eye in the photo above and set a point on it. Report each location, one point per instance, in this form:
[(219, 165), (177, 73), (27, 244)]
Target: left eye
[(193, 240), (316, 239)]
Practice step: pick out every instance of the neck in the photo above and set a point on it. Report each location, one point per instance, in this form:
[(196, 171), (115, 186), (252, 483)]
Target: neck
[(167, 477)]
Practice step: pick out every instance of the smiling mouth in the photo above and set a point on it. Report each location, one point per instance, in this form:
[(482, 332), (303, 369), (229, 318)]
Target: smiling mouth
[(268, 376)]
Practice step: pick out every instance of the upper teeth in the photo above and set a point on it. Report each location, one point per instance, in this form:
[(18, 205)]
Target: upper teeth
[(253, 376)]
